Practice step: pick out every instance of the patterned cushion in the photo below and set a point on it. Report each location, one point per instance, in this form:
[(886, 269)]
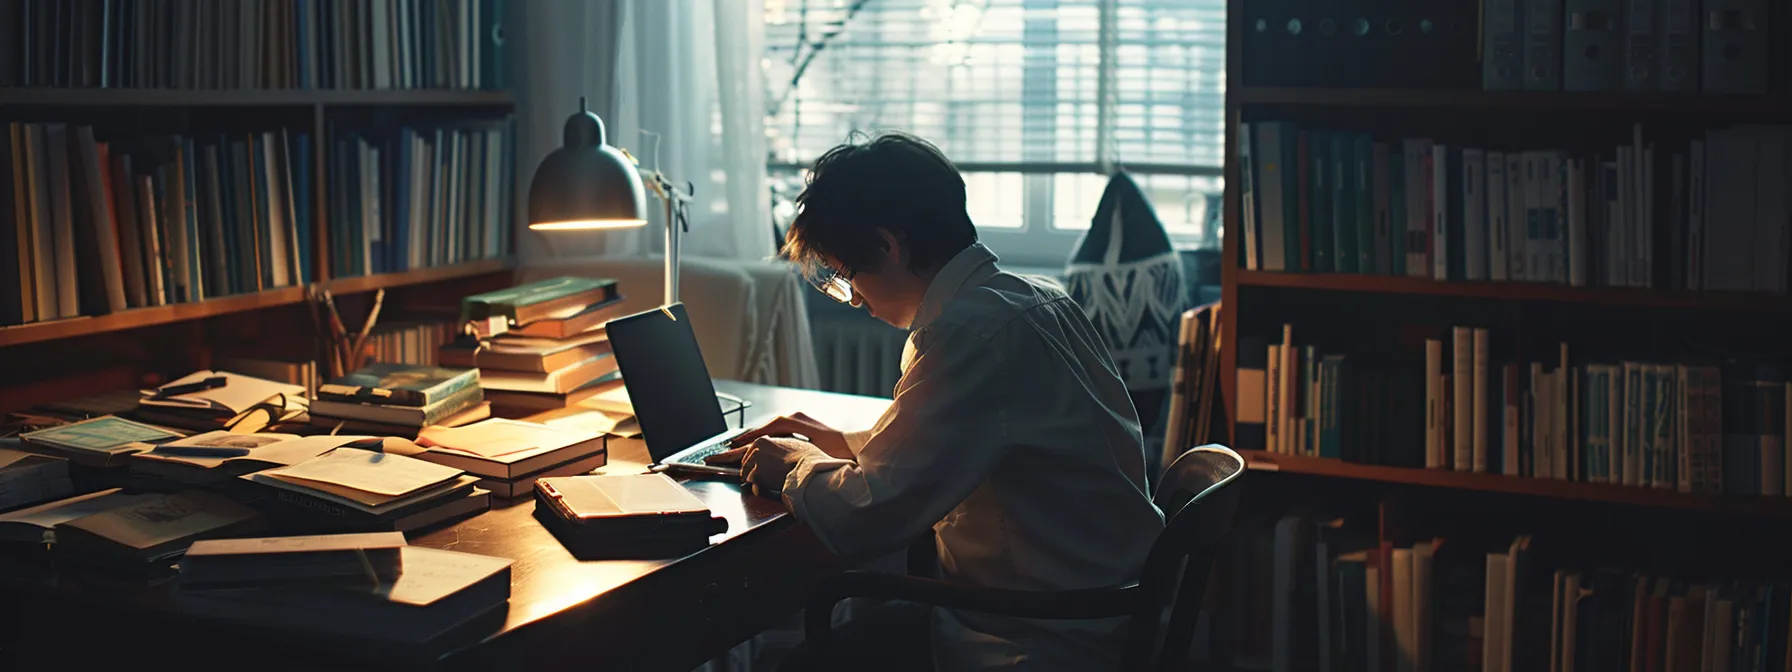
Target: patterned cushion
[(1129, 281)]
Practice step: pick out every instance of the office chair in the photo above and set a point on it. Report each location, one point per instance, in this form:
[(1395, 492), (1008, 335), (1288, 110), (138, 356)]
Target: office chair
[(1162, 606)]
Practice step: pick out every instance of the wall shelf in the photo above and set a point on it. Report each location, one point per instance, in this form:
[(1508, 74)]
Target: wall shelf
[(181, 312), (1775, 507)]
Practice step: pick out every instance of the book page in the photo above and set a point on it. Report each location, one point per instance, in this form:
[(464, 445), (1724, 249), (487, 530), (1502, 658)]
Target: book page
[(237, 395), (54, 513), (496, 437), (278, 449), (367, 471)]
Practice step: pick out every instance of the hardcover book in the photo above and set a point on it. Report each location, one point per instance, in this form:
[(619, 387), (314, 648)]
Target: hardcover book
[(399, 385), (527, 303)]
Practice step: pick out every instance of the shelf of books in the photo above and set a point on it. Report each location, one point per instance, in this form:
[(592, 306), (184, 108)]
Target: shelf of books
[(179, 312), (1263, 461)]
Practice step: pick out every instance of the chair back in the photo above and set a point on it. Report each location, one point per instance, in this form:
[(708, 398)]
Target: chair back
[(1199, 495)]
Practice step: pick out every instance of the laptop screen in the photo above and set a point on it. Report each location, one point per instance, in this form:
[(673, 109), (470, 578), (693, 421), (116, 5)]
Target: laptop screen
[(667, 382)]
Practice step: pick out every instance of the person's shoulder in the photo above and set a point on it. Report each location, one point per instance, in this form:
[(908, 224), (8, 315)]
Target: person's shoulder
[(995, 305)]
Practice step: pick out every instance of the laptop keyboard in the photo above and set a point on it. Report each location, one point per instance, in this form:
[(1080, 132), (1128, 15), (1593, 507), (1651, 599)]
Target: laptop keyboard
[(696, 457)]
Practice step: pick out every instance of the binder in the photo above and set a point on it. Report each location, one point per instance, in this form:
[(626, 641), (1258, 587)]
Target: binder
[(1502, 49), (1542, 45), (1735, 46), (1592, 54), (1678, 34), (1640, 43)]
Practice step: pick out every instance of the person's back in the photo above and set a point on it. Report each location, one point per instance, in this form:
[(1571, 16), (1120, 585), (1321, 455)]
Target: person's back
[(1010, 433), (1065, 505)]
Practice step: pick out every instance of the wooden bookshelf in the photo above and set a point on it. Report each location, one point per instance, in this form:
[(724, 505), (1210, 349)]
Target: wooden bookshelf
[(1518, 291), (1266, 462), (284, 296), (1511, 101), (119, 97)]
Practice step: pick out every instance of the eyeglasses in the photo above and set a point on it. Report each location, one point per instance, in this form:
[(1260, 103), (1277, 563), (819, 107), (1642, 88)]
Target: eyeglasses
[(832, 283)]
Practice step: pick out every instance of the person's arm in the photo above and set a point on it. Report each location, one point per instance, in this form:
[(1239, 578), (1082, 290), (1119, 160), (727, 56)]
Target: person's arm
[(942, 435)]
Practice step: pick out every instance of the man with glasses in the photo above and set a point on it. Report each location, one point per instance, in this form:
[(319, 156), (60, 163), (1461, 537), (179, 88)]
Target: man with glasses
[(1011, 434)]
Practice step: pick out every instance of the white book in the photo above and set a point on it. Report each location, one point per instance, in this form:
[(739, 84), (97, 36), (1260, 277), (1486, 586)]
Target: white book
[(1493, 621), (1406, 645), (1434, 394), (1479, 393), (1498, 234), (1474, 212), (1644, 271), (1462, 378), (1633, 388), (1517, 217)]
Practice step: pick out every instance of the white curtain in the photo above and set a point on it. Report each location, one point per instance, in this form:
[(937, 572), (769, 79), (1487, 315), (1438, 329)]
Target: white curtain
[(677, 83)]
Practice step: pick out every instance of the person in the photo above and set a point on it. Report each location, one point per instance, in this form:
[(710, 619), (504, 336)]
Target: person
[(1010, 434)]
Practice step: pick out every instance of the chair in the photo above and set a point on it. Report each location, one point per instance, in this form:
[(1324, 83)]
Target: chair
[(1162, 606)]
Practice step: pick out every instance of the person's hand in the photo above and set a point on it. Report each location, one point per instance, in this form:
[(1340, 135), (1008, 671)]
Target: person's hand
[(768, 460), (828, 439)]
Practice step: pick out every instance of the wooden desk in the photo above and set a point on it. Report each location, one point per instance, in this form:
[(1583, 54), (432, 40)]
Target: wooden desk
[(669, 614)]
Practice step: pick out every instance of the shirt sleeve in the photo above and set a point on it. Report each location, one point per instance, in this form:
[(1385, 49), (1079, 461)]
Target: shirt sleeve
[(942, 436)]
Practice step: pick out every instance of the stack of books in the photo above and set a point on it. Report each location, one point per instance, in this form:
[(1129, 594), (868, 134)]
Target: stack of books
[(404, 595), (399, 400), (509, 455), (354, 490), (541, 345)]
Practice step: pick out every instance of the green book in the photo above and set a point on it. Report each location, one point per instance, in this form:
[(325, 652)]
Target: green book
[(399, 385), (103, 434), (523, 304)]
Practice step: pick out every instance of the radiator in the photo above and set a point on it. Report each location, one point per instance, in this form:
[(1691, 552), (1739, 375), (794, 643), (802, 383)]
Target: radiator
[(855, 352)]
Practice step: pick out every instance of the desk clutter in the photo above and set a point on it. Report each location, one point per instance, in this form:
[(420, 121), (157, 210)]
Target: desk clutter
[(262, 500)]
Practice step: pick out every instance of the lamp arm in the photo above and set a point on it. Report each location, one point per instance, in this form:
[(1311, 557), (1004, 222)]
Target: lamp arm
[(676, 201)]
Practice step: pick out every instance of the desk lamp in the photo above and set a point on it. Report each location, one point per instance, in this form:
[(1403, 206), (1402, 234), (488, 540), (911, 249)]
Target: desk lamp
[(587, 185)]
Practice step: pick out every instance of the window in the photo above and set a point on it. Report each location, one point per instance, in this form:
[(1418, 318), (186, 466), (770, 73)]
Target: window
[(1033, 99)]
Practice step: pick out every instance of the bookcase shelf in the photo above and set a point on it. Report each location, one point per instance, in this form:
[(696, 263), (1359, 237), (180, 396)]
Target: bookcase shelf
[(1518, 291), (1527, 101), (122, 97), (181, 312), (1772, 507)]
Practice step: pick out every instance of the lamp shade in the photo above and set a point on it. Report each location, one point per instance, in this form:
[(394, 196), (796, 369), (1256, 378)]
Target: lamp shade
[(586, 184)]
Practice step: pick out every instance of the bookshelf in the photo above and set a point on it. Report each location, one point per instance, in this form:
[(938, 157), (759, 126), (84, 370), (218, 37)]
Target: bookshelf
[(238, 156), (286, 296), (1644, 288)]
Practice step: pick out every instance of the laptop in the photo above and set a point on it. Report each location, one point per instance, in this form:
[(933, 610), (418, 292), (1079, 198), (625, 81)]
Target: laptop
[(669, 386)]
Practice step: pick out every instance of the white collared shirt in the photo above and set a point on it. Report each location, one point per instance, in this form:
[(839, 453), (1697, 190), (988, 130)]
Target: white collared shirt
[(1012, 436)]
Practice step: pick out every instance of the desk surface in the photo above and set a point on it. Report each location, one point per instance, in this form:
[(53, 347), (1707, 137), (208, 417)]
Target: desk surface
[(548, 582), (612, 613)]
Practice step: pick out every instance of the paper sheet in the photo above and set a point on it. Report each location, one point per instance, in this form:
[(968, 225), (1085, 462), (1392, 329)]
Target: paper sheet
[(367, 471), (618, 424), (284, 449), (238, 393), (497, 436), (61, 511)]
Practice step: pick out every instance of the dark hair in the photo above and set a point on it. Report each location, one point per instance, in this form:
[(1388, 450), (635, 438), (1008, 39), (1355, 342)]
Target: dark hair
[(894, 181)]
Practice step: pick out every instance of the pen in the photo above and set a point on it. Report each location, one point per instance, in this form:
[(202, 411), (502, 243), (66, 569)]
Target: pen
[(167, 391)]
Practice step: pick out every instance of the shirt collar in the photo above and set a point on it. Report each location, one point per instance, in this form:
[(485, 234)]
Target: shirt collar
[(970, 266)]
